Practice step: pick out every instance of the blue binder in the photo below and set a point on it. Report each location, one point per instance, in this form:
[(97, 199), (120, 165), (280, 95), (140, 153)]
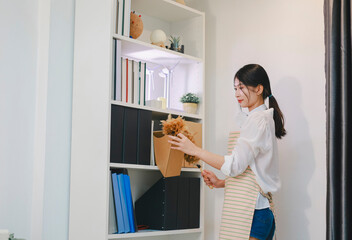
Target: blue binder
[(117, 200), (120, 180), (129, 202)]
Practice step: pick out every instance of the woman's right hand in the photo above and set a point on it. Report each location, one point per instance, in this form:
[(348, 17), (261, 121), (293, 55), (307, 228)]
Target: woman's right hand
[(211, 179)]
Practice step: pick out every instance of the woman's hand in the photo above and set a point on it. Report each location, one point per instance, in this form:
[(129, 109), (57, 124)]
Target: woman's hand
[(182, 143), (211, 179)]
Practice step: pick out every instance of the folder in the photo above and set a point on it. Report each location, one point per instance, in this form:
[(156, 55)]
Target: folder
[(112, 212), (144, 137), (129, 203), (116, 134), (130, 138), (194, 200), (117, 201), (183, 203), (120, 179), (157, 207)]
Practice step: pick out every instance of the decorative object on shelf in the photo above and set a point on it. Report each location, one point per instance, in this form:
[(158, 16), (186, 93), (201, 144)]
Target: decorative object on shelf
[(175, 44), (181, 2), (136, 25), (154, 103), (163, 102), (4, 234), (158, 38), (190, 102)]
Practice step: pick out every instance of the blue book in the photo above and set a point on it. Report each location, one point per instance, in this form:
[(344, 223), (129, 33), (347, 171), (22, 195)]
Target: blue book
[(129, 202), (120, 180), (117, 200)]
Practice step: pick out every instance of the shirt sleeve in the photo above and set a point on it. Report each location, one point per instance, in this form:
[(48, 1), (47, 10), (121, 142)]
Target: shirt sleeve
[(254, 138)]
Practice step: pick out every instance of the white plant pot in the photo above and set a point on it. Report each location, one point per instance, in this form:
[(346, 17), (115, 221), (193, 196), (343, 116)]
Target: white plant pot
[(190, 107)]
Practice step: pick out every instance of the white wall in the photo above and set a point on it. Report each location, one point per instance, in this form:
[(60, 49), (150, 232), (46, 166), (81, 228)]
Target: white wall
[(35, 88), (18, 58), (287, 39)]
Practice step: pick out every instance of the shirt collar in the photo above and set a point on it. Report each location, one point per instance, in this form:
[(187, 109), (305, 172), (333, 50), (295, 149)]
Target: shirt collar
[(258, 109)]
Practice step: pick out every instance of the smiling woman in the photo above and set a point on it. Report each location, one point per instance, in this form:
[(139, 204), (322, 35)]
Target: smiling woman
[(252, 168)]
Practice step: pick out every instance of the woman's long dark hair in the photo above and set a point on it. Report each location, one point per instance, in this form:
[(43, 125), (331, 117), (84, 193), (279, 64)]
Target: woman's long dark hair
[(254, 75)]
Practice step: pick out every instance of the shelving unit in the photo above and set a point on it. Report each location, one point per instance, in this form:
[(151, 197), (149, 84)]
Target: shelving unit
[(90, 206)]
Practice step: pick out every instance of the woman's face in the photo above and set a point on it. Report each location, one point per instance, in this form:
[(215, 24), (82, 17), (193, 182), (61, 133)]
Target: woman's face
[(247, 97)]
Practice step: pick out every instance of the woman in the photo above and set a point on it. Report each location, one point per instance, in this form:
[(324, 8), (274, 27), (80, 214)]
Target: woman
[(255, 155)]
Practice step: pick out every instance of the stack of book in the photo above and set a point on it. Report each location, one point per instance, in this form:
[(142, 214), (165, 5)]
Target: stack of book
[(123, 203), (129, 78), (123, 11)]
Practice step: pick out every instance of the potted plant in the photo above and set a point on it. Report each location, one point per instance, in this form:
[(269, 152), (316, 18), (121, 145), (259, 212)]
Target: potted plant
[(190, 102)]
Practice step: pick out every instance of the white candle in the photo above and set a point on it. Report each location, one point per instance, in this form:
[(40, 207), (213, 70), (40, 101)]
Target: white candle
[(4, 234)]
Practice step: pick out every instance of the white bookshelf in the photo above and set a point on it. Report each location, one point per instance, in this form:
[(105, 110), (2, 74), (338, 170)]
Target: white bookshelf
[(90, 205)]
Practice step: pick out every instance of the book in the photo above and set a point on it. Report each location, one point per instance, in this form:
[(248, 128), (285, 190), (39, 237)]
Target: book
[(117, 86), (119, 16), (142, 84), (126, 16), (118, 206), (120, 180), (130, 136), (112, 211), (129, 81), (117, 133), (136, 82), (152, 157), (144, 132), (123, 80), (129, 203)]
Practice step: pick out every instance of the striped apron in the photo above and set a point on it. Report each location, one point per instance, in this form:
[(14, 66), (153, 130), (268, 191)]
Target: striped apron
[(239, 201)]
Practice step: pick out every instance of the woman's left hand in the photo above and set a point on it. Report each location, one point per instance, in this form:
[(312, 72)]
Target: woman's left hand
[(182, 143)]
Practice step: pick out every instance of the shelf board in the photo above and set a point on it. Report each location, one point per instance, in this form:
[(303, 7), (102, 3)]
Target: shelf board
[(167, 10), (146, 167), (151, 233), (136, 49), (160, 111)]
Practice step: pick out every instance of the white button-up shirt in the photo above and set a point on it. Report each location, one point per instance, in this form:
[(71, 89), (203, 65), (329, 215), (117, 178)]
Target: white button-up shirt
[(256, 147)]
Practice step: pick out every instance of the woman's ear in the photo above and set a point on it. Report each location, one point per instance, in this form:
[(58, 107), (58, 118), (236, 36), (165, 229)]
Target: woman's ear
[(260, 89)]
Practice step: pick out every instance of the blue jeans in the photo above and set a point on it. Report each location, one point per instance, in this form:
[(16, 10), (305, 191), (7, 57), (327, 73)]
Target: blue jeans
[(263, 224)]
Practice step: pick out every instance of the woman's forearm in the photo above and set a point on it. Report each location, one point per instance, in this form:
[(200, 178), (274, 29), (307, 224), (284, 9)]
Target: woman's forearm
[(212, 159)]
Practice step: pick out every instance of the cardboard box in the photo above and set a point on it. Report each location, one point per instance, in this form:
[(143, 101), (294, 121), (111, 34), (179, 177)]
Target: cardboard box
[(170, 161)]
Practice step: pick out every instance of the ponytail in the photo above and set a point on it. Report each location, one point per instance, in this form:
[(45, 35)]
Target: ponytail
[(279, 120)]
